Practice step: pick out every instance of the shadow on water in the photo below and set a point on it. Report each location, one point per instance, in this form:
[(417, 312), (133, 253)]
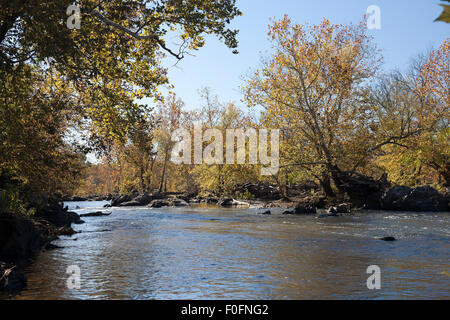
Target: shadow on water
[(211, 253)]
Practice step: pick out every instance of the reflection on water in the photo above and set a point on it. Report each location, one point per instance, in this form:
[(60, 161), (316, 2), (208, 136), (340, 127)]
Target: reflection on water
[(210, 253)]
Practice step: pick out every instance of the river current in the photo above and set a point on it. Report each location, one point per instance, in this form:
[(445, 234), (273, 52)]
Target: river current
[(215, 253)]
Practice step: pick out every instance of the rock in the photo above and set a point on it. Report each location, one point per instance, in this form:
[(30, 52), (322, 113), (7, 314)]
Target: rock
[(392, 199), (362, 190), (19, 238), (342, 208), (120, 199), (188, 196), (66, 231), (260, 191), (107, 206), (144, 199), (138, 201), (420, 199), (96, 214), (209, 200), (228, 202), (130, 204), (287, 212), (225, 202), (304, 209), (387, 239), (265, 212), (56, 215), (179, 203), (158, 204)]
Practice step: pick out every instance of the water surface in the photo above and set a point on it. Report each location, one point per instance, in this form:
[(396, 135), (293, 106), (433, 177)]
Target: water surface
[(211, 253)]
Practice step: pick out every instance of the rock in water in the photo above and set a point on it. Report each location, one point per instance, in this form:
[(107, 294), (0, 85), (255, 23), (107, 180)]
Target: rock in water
[(342, 208), (265, 212), (421, 199), (387, 239), (158, 204), (96, 214), (304, 209)]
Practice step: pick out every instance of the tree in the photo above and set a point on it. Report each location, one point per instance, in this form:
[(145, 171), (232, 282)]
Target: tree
[(89, 80), (312, 89), (169, 114), (416, 107)]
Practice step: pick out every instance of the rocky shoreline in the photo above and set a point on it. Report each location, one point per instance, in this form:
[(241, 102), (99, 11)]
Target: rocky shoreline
[(21, 238), (420, 199)]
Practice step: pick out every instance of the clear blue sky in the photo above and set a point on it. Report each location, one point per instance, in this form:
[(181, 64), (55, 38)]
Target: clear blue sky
[(407, 29)]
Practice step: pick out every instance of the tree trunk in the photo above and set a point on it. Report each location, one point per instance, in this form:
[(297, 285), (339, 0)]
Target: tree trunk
[(161, 184), (325, 184), (141, 177)]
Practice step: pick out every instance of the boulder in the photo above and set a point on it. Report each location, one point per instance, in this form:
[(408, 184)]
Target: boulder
[(19, 238), (225, 202), (304, 209), (265, 212), (56, 215), (392, 199), (120, 199), (342, 208), (131, 203), (175, 202), (288, 212), (210, 200), (262, 191), (158, 203), (228, 202), (420, 199), (140, 200)]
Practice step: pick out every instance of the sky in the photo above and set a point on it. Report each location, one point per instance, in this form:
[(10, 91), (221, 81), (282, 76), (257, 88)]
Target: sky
[(407, 29)]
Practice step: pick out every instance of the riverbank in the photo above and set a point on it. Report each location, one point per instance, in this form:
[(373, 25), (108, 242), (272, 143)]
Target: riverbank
[(303, 199), (21, 238)]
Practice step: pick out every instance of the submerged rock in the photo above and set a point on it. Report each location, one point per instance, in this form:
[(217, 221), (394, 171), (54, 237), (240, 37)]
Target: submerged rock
[(268, 212)]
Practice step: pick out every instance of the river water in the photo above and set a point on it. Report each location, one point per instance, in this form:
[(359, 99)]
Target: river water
[(212, 253)]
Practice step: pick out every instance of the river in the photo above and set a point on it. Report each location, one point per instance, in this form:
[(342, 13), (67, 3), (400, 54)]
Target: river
[(212, 253)]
